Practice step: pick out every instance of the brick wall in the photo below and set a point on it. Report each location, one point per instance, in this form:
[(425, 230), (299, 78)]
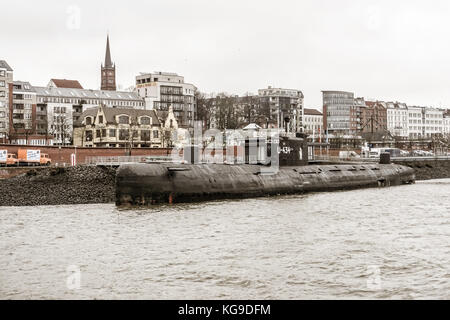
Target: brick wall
[(62, 155)]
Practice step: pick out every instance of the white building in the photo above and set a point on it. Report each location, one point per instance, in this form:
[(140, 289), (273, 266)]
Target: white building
[(162, 90), (397, 119), (446, 126), (433, 122), (313, 122), (415, 122), (58, 108)]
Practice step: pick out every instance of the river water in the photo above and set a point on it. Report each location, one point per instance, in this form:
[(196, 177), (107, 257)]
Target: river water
[(374, 243)]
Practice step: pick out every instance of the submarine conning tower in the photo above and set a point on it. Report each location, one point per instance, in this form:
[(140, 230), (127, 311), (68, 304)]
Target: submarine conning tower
[(293, 151)]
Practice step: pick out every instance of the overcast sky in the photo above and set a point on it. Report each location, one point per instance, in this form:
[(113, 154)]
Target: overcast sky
[(387, 50)]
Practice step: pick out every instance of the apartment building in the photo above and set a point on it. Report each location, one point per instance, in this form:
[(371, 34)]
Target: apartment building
[(373, 117), (22, 111), (415, 122), (313, 122), (6, 77), (160, 90), (446, 126), (397, 119), (118, 127), (433, 122), (285, 106), (58, 108)]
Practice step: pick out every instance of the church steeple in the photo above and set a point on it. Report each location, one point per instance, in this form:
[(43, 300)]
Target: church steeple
[(108, 72), (108, 62)]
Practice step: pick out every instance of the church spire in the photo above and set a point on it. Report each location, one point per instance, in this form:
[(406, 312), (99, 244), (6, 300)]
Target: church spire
[(108, 71), (108, 63)]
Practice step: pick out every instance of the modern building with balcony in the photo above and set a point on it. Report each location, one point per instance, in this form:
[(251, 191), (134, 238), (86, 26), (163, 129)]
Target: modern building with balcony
[(162, 90), (22, 109), (285, 106)]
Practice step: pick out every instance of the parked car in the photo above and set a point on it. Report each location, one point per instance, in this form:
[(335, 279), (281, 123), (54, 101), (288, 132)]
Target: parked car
[(404, 153), (348, 155), (422, 153)]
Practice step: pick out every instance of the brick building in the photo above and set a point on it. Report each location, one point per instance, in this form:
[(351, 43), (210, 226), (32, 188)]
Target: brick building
[(373, 117), (22, 112)]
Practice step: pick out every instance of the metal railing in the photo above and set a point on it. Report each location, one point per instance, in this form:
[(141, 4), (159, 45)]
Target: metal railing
[(118, 160), (396, 159)]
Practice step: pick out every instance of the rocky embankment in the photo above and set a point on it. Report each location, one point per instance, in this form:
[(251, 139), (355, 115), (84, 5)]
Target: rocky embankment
[(429, 169), (59, 186)]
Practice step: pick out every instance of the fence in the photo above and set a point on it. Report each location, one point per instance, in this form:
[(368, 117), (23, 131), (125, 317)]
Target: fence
[(118, 160)]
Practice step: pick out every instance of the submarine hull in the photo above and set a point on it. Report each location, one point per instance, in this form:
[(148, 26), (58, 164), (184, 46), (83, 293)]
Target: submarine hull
[(147, 184)]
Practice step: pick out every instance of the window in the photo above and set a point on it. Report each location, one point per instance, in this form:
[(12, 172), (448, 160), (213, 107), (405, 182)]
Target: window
[(112, 133), (124, 120), (2, 93), (123, 134), (89, 135), (155, 134), (2, 83), (88, 121), (100, 119), (145, 120), (145, 135)]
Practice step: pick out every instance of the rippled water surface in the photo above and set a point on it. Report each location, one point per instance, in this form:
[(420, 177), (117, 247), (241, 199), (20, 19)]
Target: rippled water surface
[(373, 243)]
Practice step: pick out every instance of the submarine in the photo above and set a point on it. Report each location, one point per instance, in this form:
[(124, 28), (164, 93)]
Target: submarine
[(146, 184)]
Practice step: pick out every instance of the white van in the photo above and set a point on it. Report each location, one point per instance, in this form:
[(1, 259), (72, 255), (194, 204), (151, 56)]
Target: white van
[(348, 155)]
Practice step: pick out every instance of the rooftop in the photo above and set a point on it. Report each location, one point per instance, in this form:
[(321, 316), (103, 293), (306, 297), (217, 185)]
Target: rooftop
[(111, 113), (87, 94), (23, 86), (5, 65), (312, 112), (64, 83)]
